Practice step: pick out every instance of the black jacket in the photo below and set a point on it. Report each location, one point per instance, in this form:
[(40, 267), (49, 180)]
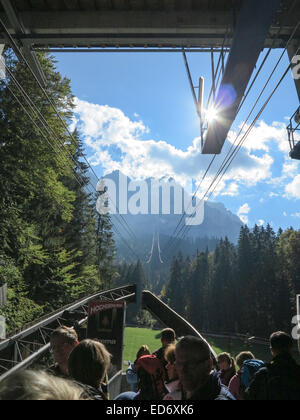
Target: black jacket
[(213, 391), (278, 381)]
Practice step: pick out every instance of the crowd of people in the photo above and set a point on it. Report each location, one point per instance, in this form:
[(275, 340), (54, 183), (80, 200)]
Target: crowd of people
[(183, 370)]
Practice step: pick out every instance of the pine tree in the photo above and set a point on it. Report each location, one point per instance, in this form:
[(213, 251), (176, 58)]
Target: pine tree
[(175, 291), (47, 217), (246, 289), (197, 292)]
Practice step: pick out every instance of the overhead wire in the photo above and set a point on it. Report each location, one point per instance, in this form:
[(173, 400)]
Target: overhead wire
[(46, 126), (126, 227), (62, 155), (197, 108), (243, 139), (230, 157)]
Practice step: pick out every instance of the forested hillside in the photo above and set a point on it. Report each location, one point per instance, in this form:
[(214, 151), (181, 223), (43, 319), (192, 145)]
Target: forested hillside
[(51, 239), (248, 288)]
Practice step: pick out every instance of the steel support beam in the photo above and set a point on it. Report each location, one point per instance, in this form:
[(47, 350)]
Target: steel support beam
[(292, 50), (22, 350), (26, 49), (249, 41), (56, 26), (169, 317)]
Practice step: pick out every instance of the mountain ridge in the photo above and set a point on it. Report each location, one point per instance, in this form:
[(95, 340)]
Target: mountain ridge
[(218, 221)]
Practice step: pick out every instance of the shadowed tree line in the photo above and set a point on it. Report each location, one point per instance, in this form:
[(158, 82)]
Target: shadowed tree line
[(248, 288)]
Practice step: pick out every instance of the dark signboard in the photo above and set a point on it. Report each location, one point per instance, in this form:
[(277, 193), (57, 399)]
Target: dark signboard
[(106, 324)]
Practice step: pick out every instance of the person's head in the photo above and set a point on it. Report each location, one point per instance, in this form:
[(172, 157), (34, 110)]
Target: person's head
[(193, 363), (170, 357), (143, 351), (225, 361), (168, 337), (89, 363), (243, 357), (63, 341), (280, 343), (38, 386)]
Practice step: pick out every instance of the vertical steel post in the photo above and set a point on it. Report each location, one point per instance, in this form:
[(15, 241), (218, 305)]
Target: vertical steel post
[(292, 50), (200, 107), (213, 75)]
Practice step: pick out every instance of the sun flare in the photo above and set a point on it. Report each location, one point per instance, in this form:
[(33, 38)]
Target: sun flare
[(211, 115)]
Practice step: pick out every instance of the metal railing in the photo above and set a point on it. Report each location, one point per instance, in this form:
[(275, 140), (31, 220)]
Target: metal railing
[(115, 385), (27, 347)]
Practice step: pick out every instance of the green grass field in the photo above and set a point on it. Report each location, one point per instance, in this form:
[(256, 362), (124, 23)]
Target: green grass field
[(136, 337)]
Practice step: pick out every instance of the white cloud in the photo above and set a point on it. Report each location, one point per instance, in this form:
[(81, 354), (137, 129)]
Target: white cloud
[(243, 212), (232, 190), (263, 135), (261, 222), (290, 168), (296, 215), (293, 189), (119, 143)]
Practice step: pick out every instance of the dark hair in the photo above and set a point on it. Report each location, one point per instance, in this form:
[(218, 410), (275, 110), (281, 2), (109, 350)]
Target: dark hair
[(194, 343), (243, 357), (89, 363), (170, 355), (281, 342), (168, 335)]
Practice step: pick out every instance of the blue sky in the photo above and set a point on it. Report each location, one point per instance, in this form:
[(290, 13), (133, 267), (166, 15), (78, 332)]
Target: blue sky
[(136, 113)]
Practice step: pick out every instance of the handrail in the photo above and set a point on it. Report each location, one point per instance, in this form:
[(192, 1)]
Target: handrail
[(170, 318), (26, 347)]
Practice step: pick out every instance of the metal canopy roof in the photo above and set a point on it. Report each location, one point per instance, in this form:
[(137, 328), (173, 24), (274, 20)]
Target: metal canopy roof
[(135, 23), (244, 26)]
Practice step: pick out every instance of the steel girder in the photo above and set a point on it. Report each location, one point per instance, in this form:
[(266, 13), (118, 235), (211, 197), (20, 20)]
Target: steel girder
[(250, 35), (169, 317), (27, 347), (26, 49), (294, 128)]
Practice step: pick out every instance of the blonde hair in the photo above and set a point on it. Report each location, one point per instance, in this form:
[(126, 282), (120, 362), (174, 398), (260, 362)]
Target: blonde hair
[(38, 386), (170, 354), (143, 351), (69, 335)]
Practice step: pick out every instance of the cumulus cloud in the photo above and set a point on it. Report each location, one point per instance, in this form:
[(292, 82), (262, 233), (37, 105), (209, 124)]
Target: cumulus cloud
[(263, 135), (243, 213), (118, 143), (293, 189), (232, 190)]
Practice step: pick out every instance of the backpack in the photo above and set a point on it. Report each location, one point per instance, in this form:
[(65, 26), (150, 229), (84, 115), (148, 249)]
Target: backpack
[(283, 383), (152, 377), (248, 371)]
